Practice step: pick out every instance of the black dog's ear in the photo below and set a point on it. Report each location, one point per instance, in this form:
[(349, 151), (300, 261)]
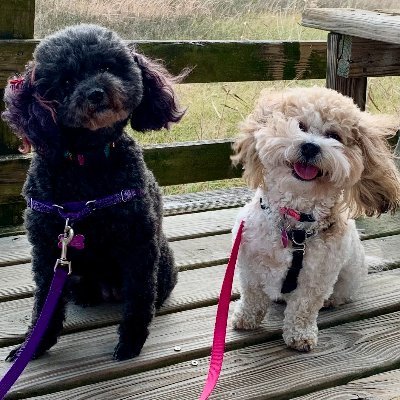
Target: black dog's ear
[(30, 117), (159, 106)]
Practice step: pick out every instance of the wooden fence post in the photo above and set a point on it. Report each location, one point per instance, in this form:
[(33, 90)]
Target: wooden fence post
[(17, 19), (338, 56)]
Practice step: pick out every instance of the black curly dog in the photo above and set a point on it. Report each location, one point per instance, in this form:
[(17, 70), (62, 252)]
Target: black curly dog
[(72, 104)]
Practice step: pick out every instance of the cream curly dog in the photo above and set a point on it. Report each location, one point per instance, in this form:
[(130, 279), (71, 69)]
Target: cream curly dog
[(316, 161)]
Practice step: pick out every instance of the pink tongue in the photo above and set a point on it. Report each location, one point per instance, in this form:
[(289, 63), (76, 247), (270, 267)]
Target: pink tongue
[(306, 171)]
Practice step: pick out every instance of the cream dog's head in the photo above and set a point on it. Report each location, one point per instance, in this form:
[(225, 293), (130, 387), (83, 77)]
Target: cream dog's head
[(316, 143)]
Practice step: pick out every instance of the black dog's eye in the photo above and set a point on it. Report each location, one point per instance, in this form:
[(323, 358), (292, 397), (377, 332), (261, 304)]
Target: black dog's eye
[(333, 135), (104, 68), (302, 126)]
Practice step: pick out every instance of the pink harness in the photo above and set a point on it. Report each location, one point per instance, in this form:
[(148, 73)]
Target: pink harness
[(218, 347)]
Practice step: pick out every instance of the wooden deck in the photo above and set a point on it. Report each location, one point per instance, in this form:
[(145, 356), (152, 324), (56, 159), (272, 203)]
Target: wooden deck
[(359, 340)]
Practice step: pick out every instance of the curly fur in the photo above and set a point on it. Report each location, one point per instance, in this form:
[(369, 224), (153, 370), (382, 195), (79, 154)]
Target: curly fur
[(314, 151), (81, 89)]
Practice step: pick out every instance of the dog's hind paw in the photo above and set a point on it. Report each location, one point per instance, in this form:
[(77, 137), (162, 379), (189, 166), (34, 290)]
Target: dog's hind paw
[(125, 351)]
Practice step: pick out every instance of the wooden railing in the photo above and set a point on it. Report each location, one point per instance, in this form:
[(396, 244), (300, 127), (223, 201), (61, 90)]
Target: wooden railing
[(211, 61)]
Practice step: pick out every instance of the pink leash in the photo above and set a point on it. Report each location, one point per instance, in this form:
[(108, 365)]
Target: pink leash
[(218, 347)]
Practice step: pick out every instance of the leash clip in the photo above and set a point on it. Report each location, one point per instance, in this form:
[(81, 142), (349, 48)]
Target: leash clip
[(65, 240)]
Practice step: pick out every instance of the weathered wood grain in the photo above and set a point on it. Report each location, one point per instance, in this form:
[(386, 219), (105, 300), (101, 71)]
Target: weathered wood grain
[(365, 24), (195, 288), (203, 250), (16, 249), (16, 280), (385, 386), (344, 352), (352, 87), (210, 60), (371, 58), (172, 164)]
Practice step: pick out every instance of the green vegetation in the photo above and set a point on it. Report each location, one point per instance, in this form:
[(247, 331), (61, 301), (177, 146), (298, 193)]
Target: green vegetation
[(213, 109)]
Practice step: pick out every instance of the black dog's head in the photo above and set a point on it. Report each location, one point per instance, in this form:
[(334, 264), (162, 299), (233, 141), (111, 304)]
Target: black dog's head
[(85, 78)]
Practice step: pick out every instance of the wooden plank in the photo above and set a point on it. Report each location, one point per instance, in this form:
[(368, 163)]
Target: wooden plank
[(211, 60), (189, 162), (195, 288), (16, 280), (365, 24), (352, 87), (85, 357), (209, 200), (186, 162), (190, 226), (172, 164), (385, 386), (268, 370), (371, 58), (16, 249)]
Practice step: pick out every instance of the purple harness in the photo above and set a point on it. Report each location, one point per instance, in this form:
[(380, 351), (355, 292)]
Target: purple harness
[(73, 211), (77, 210)]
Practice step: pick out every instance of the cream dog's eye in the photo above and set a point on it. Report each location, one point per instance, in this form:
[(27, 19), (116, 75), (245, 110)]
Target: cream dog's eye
[(333, 135), (302, 126)]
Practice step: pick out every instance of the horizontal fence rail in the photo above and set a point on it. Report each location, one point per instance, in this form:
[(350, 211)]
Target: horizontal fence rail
[(172, 164), (210, 61)]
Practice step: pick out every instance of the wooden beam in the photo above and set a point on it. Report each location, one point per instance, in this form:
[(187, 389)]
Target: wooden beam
[(336, 69), (368, 58), (172, 164), (361, 23), (212, 61)]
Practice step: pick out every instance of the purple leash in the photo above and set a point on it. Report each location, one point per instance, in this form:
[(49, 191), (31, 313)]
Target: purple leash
[(61, 271), (73, 211)]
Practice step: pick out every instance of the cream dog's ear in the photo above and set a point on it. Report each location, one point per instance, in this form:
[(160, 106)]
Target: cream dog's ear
[(378, 190), (245, 145)]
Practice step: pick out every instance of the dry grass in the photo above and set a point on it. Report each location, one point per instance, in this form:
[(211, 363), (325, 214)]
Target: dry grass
[(213, 110)]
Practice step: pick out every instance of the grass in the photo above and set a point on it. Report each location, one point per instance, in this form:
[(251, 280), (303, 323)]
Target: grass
[(213, 109)]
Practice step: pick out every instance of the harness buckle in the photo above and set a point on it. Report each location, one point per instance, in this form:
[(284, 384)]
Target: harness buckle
[(63, 263), (65, 241)]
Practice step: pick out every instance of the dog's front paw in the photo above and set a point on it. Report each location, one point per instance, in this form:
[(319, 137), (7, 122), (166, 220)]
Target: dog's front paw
[(303, 341), (125, 351), (12, 356), (242, 320)]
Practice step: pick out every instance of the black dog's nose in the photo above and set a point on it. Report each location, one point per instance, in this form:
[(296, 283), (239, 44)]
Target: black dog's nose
[(309, 150), (96, 96)]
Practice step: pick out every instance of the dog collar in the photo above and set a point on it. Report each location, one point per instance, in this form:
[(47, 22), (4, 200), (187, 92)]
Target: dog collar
[(90, 156), (298, 216)]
